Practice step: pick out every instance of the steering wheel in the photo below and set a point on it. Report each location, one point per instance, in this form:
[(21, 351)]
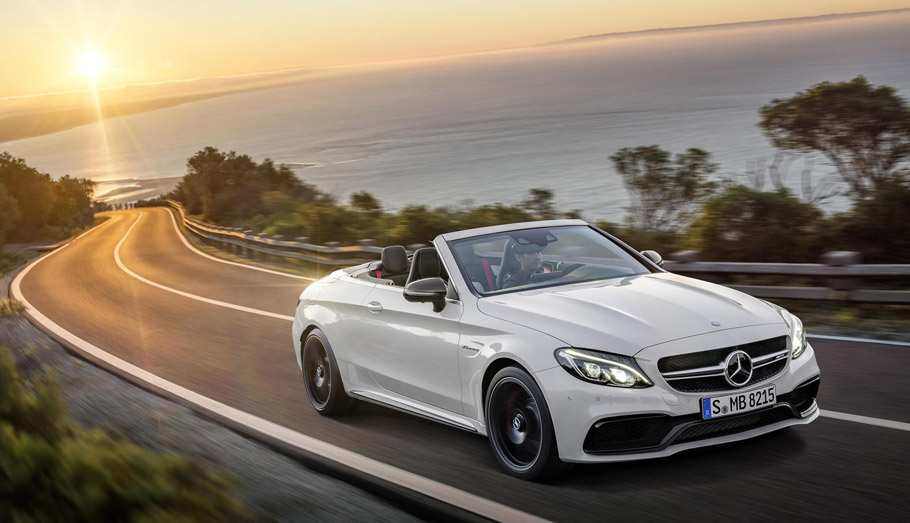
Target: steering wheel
[(571, 267)]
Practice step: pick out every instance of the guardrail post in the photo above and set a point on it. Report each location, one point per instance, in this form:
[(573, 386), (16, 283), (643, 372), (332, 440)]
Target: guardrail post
[(247, 253), (333, 254), (842, 259)]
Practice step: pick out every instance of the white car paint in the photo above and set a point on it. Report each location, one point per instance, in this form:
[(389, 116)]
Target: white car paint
[(433, 364)]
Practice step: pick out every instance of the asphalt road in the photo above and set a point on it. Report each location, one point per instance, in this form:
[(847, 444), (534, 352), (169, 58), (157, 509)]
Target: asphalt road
[(829, 470)]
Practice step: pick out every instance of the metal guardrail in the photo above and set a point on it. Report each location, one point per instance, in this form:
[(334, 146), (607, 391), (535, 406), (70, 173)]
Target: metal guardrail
[(248, 244), (839, 282), (841, 275)]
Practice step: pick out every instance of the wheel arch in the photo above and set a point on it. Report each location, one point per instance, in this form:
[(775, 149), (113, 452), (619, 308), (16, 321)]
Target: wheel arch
[(307, 330), (494, 366)]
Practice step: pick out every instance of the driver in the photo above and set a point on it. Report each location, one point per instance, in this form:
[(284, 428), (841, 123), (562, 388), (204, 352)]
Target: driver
[(529, 259)]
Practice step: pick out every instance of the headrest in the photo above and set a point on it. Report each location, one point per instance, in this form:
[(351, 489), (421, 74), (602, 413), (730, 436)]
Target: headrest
[(428, 263), (528, 248), (394, 259), (425, 264)]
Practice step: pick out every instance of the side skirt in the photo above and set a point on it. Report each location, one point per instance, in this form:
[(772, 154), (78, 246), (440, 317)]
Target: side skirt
[(424, 411)]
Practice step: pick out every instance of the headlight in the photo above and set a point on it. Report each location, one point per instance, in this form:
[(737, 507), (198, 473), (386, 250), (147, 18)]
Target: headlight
[(603, 368), (797, 333)]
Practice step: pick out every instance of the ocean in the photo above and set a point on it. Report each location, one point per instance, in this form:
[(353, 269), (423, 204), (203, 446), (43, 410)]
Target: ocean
[(487, 127)]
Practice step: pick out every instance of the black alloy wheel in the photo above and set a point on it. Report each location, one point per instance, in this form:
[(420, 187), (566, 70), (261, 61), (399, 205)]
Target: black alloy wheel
[(520, 428), (321, 376)]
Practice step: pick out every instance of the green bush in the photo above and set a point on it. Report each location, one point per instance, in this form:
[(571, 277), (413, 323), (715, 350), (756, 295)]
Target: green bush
[(664, 242), (878, 226), (748, 225), (10, 307), (51, 470)]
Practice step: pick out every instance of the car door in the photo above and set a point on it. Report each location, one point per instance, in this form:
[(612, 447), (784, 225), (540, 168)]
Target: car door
[(411, 350)]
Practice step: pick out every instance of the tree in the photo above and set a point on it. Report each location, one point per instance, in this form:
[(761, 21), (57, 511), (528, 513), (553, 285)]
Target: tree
[(80, 191), (877, 225), (367, 215), (487, 215), (418, 224), (664, 191), (744, 224), (34, 192), (863, 130), (226, 187), (9, 214), (540, 204), (365, 202)]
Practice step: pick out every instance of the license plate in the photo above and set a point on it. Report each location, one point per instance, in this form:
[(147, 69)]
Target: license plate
[(720, 406)]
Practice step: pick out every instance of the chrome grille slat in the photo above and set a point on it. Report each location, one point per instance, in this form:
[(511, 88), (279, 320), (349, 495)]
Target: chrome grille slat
[(716, 370)]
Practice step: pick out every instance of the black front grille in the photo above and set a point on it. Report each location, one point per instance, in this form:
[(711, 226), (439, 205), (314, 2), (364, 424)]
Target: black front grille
[(716, 383), (734, 424), (709, 358), (706, 358)]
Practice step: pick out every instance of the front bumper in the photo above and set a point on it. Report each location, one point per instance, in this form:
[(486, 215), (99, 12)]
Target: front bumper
[(595, 423)]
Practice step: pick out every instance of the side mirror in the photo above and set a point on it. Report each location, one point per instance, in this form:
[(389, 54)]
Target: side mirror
[(427, 290), (654, 257)]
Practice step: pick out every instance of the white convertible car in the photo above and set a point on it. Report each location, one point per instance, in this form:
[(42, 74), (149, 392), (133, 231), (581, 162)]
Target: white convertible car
[(557, 341)]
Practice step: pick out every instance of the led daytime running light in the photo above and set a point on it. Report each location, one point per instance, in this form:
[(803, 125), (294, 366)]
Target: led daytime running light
[(797, 333), (602, 370)]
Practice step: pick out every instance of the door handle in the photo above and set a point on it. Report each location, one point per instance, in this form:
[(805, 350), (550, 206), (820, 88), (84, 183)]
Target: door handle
[(374, 306)]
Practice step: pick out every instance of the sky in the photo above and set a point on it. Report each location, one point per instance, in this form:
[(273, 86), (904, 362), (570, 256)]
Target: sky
[(161, 40)]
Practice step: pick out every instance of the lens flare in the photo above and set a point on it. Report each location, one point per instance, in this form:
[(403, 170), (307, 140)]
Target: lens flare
[(91, 63)]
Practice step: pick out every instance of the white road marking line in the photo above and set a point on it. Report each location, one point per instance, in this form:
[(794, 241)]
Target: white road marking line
[(427, 487), (859, 340), (245, 266), (186, 294), (843, 416)]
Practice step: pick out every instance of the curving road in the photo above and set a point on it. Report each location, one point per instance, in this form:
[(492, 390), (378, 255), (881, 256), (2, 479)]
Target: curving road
[(134, 288)]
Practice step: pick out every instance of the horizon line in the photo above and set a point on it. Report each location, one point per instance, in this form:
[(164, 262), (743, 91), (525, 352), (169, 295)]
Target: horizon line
[(577, 39), (822, 17)]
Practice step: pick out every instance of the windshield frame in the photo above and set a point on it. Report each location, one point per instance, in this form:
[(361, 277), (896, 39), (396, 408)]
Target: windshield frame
[(644, 261)]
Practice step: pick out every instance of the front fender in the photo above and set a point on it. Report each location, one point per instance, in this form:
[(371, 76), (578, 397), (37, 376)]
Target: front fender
[(486, 343)]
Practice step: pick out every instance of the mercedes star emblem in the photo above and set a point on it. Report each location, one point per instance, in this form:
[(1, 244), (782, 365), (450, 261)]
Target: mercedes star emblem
[(738, 368)]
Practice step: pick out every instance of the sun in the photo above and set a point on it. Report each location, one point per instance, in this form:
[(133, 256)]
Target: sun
[(91, 63)]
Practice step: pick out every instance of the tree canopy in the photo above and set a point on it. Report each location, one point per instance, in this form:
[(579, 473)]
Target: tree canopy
[(744, 224), (36, 206), (664, 191), (223, 186), (863, 130)]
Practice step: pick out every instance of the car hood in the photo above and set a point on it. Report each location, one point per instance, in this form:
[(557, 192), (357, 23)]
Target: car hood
[(625, 315)]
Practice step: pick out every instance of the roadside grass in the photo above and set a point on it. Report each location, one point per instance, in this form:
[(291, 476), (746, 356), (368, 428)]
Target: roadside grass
[(52, 468), (10, 261), (13, 258), (10, 307)]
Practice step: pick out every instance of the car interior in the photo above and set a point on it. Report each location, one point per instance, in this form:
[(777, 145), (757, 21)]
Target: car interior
[(398, 269)]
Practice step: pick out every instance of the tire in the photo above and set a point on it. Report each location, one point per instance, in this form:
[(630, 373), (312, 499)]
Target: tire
[(323, 382), (520, 427)]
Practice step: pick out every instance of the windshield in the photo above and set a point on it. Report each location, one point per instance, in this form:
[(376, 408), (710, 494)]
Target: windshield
[(543, 257)]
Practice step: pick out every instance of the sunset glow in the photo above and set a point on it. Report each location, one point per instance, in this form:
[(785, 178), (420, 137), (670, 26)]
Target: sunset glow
[(91, 63), (144, 42)]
